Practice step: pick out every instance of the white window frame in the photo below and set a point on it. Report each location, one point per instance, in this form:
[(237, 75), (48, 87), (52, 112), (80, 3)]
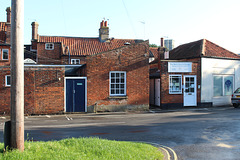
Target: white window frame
[(6, 81), (74, 61), (223, 89), (170, 81), (47, 46), (7, 52), (110, 83)]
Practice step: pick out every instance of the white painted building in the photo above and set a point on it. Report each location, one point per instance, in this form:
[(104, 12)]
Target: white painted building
[(220, 77)]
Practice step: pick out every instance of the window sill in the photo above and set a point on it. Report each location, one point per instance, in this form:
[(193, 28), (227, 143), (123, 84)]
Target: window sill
[(118, 97), (176, 93)]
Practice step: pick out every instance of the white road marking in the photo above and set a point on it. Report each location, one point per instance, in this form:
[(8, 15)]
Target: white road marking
[(73, 125)]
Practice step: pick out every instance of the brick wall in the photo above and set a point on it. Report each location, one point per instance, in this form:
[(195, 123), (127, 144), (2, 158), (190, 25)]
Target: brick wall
[(4, 91), (134, 60), (172, 99), (43, 90), (49, 56), (65, 59)]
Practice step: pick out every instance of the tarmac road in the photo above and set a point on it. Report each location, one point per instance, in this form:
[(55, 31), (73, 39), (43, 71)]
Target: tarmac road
[(194, 134)]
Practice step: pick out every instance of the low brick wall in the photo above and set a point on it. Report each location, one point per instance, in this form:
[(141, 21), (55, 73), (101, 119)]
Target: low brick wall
[(43, 90)]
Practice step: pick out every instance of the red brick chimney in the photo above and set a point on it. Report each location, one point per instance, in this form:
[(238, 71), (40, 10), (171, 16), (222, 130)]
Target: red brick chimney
[(8, 10), (8, 26), (103, 31), (162, 42), (35, 31)]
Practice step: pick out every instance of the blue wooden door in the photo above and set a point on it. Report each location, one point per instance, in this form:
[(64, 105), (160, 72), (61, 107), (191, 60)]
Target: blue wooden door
[(75, 95)]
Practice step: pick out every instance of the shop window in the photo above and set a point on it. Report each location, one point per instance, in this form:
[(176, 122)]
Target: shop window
[(117, 83), (175, 84), (49, 46), (222, 85)]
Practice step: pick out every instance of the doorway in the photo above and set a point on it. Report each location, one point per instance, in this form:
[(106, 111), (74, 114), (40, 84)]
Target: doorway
[(76, 94), (190, 94)]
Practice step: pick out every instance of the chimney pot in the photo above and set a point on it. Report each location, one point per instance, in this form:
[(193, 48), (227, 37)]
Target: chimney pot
[(102, 24), (105, 24)]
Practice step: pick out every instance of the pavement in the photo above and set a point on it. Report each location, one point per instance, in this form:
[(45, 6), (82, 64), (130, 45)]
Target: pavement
[(189, 133)]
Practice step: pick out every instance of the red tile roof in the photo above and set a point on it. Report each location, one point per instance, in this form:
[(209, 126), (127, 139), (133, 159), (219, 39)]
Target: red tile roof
[(2, 37), (3, 30), (86, 46), (154, 51), (201, 48), (3, 26)]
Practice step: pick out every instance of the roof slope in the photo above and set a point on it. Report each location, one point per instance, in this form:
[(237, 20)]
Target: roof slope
[(86, 46), (154, 51), (201, 48), (3, 29)]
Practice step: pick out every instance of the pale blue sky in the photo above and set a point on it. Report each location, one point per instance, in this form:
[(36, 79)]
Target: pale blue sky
[(182, 20)]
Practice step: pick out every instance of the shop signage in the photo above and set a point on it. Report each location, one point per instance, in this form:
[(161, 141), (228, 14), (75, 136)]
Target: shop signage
[(178, 67)]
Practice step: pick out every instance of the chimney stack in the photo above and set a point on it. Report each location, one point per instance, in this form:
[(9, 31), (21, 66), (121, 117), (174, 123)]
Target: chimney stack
[(8, 10), (35, 31), (162, 42), (103, 31), (8, 26)]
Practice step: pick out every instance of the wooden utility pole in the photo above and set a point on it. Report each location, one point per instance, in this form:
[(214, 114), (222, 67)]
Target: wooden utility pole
[(17, 75)]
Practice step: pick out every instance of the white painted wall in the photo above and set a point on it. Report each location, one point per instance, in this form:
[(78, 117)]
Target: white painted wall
[(210, 67)]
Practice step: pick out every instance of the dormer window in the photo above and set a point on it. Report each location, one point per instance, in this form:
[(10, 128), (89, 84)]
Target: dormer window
[(49, 46), (75, 61)]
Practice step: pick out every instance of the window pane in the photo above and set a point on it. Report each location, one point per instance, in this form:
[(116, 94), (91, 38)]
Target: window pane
[(192, 90), (192, 80), (217, 86), (122, 85), (228, 85), (122, 75), (112, 75), (8, 81), (175, 84), (117, 74), (117, 80), (117, 86), (122, 91), (112, 91), (5, 54), (112, 86), (117, 91)]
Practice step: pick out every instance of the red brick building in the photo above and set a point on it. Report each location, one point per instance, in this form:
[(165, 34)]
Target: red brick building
[(74, 74), (199, 73), (129, 64), (93, 61), (44, 85)]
